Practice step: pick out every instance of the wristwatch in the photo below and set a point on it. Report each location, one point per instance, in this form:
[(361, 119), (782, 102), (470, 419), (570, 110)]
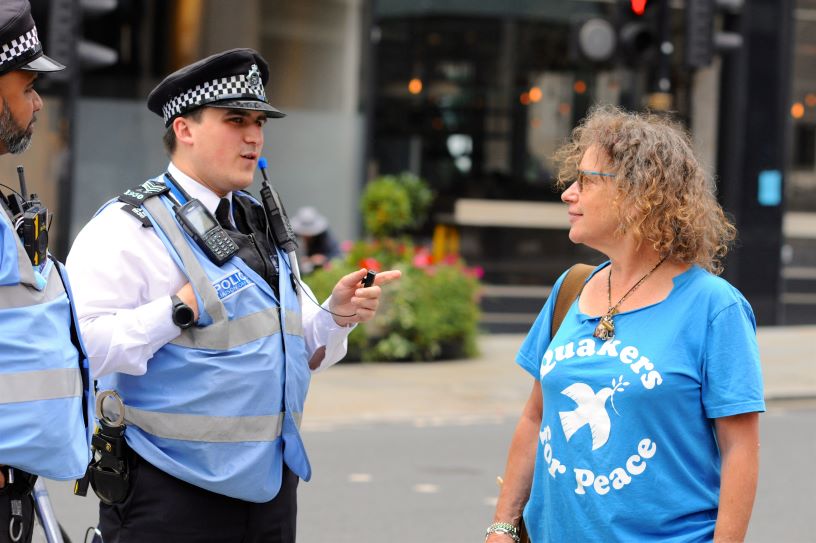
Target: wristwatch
[(183, 315)]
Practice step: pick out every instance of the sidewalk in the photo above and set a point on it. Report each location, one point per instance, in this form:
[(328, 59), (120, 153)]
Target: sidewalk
[(493, 387)]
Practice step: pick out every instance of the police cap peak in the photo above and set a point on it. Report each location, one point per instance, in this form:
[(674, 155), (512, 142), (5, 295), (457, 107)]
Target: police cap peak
[(20, 47), (232, 79)]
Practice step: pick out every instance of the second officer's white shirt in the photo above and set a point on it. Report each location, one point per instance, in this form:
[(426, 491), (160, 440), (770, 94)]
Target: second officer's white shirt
[(122, 278)]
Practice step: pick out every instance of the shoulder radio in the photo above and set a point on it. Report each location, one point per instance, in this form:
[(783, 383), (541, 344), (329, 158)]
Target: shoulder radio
[(30, 220)]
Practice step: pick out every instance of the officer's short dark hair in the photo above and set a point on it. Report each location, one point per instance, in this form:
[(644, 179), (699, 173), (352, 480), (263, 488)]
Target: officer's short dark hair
[(169, 138)]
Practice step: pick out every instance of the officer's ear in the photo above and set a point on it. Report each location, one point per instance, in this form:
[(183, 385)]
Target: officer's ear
[(182, 129)]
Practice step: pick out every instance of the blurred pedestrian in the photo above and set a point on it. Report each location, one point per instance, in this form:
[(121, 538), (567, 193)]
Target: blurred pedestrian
[(642, 424), (43, 372), (317, 245), (209, 349)]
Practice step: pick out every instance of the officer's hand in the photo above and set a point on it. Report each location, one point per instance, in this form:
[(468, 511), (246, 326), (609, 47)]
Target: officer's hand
[(356, 303), (187, 295)]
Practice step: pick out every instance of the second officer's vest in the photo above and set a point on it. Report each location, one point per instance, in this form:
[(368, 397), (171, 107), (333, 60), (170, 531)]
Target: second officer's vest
[(45, 394), (220, 406)]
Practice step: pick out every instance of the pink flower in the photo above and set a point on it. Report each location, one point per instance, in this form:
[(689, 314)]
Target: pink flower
[(422, 258), (476, 271)]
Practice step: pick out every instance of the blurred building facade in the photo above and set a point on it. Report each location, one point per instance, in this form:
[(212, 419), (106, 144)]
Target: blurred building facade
[(474, 96)]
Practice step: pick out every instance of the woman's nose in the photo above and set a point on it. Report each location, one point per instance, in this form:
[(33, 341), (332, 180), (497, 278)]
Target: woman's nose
[(570, 193)]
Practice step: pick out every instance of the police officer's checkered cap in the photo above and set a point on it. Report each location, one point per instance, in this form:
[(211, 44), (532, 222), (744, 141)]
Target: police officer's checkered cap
[(234, 78), (233, 87), (20, 47)]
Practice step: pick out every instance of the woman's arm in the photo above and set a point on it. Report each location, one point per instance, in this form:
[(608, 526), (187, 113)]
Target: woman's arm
[(518, 474), (738, 437)]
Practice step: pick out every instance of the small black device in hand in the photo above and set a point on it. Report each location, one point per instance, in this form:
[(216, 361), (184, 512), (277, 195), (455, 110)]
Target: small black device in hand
[(207, 233), (368, 280)]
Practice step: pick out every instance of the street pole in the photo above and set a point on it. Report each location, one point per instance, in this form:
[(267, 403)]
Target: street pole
[(753, 148)]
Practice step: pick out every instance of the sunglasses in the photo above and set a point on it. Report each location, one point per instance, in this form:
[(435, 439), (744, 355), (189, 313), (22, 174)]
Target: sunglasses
[(584, 175)]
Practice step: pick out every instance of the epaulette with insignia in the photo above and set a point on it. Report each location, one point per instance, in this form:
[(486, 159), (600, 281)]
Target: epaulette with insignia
[(139, 213), (137, 195)]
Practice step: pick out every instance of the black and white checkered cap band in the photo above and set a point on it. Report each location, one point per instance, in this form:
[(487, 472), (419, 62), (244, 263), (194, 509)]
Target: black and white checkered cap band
[(236, 86), (19, 46)]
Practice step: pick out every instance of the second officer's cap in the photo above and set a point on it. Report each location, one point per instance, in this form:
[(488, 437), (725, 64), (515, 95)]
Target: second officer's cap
[(20, 47), (233, 79)]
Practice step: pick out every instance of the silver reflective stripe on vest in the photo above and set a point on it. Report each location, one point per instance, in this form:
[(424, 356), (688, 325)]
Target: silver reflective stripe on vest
[(32, 386), (294, 324), (23, 263), (225, 335), (198, 277), (22, 295), (206, 428)]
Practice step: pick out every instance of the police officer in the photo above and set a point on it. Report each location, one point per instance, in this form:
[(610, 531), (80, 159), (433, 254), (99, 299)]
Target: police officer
[(211, 358), (43, 373)]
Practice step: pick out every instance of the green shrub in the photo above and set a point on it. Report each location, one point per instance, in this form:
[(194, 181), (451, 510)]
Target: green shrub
[(432, 312)]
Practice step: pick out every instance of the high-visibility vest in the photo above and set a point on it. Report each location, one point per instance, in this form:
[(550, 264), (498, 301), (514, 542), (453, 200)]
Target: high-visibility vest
[(220, 406), (45, 389)]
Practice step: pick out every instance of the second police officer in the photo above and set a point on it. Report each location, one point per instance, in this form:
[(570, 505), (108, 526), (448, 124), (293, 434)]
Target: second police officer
[(44, 382), (210, 355)]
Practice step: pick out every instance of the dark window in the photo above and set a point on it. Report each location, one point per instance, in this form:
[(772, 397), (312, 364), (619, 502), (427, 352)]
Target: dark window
[(804, 146)]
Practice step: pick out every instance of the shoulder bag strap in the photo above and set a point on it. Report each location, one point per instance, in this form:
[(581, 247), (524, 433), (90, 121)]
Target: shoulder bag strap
[(570, 289)]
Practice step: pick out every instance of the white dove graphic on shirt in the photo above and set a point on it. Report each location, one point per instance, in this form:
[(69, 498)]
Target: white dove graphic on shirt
[(591, 410)]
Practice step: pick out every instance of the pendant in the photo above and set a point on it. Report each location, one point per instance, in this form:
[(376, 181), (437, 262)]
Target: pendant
[(605, 329)]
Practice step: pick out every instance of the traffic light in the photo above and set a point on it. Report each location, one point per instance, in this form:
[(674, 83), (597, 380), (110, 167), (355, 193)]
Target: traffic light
[(62, 25), (630, 35), (703, 38), (639, 37), (593, 40)]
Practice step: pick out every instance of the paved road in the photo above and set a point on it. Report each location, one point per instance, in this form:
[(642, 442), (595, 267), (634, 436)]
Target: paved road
[(412, 450), (415, 481), (403, 483)]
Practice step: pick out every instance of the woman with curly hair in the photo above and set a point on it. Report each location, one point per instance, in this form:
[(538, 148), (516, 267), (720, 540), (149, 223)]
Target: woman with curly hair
[(642, 424)]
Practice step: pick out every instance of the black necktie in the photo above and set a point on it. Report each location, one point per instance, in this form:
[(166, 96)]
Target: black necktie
[(222, 215)]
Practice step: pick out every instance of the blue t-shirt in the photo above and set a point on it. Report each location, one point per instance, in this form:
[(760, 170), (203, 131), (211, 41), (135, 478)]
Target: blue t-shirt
[(627, 449)]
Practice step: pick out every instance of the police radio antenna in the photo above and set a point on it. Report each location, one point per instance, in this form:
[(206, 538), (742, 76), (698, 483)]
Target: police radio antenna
[(275, 213), (262, 166), (21, 177), (277, 221)]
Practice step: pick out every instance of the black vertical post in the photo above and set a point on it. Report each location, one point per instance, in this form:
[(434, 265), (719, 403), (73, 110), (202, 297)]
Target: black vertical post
[(369, 58), (753, 147), (370, 44), (665, 49), (64, 23)]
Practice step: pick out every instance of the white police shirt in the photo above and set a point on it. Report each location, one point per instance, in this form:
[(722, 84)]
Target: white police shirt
[(122, 278)]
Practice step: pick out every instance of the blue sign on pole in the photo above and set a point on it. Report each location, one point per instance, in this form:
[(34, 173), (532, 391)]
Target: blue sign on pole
[(769, 191)]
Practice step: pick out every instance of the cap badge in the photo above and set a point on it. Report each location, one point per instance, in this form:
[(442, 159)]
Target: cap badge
[(254, 76)]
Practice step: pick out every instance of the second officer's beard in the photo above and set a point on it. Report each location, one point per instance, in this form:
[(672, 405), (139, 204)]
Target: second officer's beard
[(15, 139)]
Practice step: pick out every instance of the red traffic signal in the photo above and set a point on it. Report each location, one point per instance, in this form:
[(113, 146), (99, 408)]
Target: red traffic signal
[(639, 6)]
